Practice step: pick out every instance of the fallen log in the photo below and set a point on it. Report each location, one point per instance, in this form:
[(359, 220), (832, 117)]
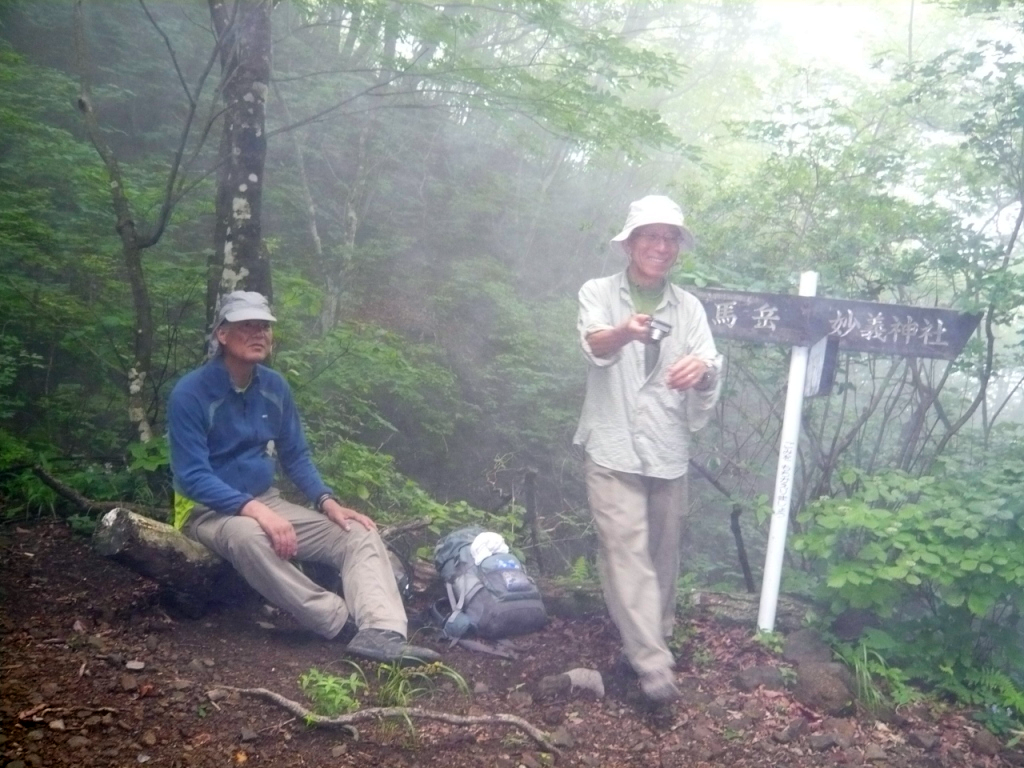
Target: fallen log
[(157, 551), (190, 576)]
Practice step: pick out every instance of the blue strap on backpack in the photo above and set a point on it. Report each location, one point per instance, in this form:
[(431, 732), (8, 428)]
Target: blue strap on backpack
[(492, 599)]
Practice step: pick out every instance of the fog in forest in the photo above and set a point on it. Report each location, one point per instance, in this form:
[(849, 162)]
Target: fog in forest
[(424, 189)]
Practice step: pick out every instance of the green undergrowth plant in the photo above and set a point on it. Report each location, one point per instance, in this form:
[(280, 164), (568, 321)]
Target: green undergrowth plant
[(878, 685), (398, 686), (370, 480), (770, 641), (331, 695), (941, 561), (580, 573)]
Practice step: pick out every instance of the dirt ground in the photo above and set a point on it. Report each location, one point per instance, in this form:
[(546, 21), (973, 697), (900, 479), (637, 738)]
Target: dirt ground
[(96, 673)]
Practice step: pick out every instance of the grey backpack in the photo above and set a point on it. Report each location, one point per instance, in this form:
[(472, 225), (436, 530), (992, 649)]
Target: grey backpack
[(493, 599)]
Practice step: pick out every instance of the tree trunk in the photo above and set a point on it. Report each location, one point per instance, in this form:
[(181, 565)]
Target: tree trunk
[(132, 246), (240, 261)]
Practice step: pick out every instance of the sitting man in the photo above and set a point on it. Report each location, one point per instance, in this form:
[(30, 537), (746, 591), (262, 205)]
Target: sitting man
[(229, 422)]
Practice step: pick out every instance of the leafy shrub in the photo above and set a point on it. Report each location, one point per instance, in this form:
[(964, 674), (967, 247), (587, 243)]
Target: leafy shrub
[(331, 695), (943, 560), (370, 480)]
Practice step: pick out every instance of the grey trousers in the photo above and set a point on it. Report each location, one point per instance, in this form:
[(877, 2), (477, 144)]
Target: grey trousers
[(370, 594), (639, 524)]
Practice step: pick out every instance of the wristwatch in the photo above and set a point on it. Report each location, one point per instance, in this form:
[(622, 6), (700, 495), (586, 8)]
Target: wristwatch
[(707, 381)]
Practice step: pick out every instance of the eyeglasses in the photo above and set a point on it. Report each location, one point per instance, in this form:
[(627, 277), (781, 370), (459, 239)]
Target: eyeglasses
[(653, 238), (253, 327)]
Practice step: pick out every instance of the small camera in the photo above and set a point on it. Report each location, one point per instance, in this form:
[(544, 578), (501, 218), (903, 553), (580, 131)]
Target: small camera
[(658, 330)]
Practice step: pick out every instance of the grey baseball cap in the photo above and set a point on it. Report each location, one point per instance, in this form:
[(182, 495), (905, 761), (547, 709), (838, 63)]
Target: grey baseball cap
[(244, 305)]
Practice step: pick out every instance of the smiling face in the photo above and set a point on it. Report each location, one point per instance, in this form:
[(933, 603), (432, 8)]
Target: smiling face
[(247, 342), (653, 249)]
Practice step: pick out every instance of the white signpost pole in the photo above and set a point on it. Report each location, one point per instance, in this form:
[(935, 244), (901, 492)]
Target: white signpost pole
[(784, 475)]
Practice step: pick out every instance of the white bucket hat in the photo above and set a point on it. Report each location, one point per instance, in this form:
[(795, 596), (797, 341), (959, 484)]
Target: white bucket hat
[(243, 305), (655, 209)]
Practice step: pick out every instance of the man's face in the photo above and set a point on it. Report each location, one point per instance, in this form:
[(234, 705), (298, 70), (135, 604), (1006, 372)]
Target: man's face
[(248, 341), (653, 249)]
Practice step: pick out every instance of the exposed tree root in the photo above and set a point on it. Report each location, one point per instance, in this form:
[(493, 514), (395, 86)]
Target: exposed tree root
[(377, 713)]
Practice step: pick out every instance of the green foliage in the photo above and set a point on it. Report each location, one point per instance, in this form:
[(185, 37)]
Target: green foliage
[(22, 493), (897, 540), (399, 685), (943, 559), (369, 480), (331, 695), (878, 685), (771, 641), (150, 456), (581, 572)]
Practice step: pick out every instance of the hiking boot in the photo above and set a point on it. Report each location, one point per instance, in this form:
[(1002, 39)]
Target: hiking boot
[(386, 646), (660, 687)]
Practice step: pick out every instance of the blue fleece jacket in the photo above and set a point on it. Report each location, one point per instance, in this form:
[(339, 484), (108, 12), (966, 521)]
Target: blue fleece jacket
[(224, 443)]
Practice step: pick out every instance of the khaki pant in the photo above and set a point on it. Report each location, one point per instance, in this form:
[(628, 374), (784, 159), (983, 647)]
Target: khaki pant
[(639, 523), (370, 594)]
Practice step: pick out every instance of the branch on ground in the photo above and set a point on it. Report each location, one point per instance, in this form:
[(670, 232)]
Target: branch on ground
[(379, 713)]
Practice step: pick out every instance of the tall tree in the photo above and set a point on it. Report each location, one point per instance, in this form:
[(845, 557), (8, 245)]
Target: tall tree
[(240, 260)]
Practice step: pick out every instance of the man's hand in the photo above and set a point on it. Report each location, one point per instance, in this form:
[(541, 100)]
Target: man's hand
[(280, 532), (344, 516), (686, 372), (610, 340)]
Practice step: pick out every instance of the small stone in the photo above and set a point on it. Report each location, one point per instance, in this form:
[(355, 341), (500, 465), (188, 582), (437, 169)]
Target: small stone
[(520, 699), (873, 753), (49, 689), (129, 682), (822, 741), (986, 743), (923, 739), (57, 725), (479, 688), (562, 738), (149, 739), (37, 735), (339, 750), (217, 694), (553, 685), (196, 665), (34, 760), (529, 760), (208, 663), (588, 680), (135, 665), (248, 734), (16, 764), (77, 742), (181, 685), (752, 678), (152, 642)]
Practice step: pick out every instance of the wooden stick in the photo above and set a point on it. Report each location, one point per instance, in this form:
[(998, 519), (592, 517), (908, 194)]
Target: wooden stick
[(375, 713)]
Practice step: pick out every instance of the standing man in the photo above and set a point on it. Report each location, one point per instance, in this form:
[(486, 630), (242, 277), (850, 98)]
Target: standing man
[(652, 379), (230, 422)]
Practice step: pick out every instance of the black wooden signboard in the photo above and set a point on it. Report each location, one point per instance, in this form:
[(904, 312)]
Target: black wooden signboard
[(864, 326)]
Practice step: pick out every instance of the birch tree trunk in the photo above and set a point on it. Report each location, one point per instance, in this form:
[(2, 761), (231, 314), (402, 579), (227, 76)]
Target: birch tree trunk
[(240, 261)]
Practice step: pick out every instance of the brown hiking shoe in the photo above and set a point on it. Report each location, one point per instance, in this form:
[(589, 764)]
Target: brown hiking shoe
[(660, 687), (386, 646)]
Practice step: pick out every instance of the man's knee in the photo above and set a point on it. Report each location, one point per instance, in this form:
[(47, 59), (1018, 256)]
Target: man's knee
[(244, 538)]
